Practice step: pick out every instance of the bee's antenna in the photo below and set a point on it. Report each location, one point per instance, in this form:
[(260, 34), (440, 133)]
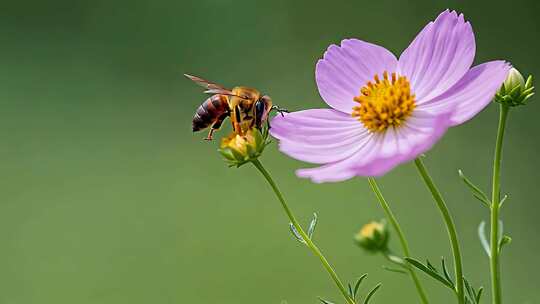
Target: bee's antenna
[(280, 110)]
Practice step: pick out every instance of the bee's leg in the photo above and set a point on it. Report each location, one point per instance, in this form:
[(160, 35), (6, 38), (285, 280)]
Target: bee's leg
[(210, 134), (236, 119), (237, 128), (279, 110), (215, 126)]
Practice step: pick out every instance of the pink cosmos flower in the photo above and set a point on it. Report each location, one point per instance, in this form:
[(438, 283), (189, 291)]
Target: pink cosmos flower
[(387, 111)]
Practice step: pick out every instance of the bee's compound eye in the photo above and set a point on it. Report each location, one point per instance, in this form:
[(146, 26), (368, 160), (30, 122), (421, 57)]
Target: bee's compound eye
[(262, 108)]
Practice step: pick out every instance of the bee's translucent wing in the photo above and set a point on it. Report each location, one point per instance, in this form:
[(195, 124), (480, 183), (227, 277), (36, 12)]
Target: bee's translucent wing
[(211, 88), (219, 91)]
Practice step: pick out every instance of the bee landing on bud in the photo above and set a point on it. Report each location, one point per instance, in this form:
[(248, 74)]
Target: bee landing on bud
[(373, 237), (246, 107), (240, 149)]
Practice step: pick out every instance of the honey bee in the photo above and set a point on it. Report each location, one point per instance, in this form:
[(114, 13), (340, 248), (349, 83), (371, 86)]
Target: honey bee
[(246, 107)]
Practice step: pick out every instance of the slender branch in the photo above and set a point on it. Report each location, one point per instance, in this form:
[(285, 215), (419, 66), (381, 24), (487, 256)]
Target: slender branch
[(496, 291), (450, 227), (404, 244), (301, 231)]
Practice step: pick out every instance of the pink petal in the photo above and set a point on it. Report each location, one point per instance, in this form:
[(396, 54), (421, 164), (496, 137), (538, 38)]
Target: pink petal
[(318, 135), (417, 136), (472, 93), (341, 170), (439, 56), (345, 69), (381, 152)]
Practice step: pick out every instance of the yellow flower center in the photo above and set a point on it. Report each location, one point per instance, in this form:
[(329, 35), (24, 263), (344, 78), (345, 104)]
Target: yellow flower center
[(387, 102)]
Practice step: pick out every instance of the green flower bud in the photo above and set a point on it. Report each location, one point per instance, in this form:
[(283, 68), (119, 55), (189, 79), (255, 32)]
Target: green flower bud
[(239, 149), (515, 91), (373, 237), (514, 79)]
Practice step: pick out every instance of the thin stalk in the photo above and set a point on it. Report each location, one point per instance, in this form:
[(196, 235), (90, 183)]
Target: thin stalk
[(404, 244), (301, 231), (450, 227), (496, 291)]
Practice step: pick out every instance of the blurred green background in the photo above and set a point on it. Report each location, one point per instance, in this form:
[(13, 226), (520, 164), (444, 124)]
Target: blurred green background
[(107, 196)]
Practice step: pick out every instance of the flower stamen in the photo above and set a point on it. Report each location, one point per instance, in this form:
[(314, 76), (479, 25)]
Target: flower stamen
[(384, 103)]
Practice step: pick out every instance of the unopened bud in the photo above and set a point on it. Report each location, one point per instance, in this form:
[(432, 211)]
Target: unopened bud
[(240, 149), (514, 79), (373, 236), (515, 91)]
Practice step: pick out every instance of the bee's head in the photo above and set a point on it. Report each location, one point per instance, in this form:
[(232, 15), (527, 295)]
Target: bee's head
[(262, 108)]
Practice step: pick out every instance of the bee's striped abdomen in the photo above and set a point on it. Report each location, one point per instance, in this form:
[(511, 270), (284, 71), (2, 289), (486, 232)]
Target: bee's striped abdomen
[(209, 112)]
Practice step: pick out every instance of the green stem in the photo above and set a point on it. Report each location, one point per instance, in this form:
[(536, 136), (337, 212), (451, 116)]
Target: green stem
[(401, 236), (450, 226), (304, 235), (495, 205)]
